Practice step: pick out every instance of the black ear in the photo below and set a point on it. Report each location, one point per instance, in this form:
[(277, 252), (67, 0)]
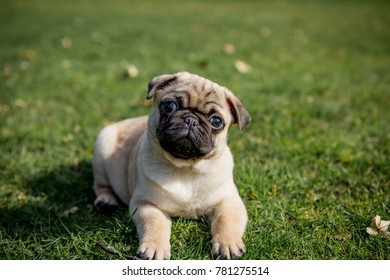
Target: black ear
[(240, 114), (159, 83)]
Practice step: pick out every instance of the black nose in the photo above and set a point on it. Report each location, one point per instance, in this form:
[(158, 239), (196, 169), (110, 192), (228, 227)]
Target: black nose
[(191, 122)]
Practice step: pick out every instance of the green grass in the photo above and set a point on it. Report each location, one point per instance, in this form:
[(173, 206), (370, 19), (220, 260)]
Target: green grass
[(313, 167)]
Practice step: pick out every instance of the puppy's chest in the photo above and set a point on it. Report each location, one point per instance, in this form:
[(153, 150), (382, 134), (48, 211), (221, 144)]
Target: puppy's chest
[(189, 197)]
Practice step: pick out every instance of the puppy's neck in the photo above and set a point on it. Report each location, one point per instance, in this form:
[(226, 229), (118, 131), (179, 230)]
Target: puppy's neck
[(194, 165)]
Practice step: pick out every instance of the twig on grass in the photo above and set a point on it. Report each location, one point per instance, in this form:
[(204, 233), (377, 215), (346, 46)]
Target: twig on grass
[(114, 252)]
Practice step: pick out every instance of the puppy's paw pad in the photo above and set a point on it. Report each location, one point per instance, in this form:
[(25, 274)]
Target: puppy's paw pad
[(106, 205), (228, 249), (151, 251)]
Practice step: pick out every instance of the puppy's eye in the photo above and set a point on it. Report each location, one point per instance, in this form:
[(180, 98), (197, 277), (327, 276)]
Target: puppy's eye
[(216, 123), (169, 107)]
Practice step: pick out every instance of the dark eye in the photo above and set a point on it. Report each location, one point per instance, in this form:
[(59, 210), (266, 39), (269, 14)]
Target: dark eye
[(216, 123), (169, 107)]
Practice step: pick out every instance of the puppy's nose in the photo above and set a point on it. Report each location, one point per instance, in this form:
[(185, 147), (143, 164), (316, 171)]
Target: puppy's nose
[(191, 122)]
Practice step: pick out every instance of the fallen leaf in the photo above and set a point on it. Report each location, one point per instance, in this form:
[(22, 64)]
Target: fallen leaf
[(20, 103), (380, 224), (22, 196), (371, 231), (66, 213), (243, 67), (4, 108), (342, 236), (379, 227), (132, 71), (8, 71), (65, 64), (375, 186), (24, 65), (229, 49), (30, 55), (66, 43)]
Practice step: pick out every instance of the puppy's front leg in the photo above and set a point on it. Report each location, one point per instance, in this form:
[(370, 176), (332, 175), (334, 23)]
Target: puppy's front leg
[(154, 230), (228, 222)]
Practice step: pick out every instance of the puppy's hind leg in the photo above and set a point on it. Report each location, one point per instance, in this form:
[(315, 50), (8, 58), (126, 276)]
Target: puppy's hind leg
[(106, 201)]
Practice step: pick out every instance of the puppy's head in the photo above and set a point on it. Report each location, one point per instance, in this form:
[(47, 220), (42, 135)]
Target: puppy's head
[(191, 115)]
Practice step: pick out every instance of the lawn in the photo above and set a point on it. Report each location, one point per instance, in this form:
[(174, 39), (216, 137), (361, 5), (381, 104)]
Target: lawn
[(313, 167)]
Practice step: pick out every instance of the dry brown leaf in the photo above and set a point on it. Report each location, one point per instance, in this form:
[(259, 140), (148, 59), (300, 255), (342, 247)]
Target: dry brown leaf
[(20, 103), (66, 64), (67, 212), (379, 227), (132, 71), (66, 43), (380, 224), (371, 231), (243, 67), (229, 49), (22, 196)]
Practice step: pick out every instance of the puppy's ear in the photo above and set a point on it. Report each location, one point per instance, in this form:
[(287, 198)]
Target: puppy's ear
[(240, 114), (159, 83)]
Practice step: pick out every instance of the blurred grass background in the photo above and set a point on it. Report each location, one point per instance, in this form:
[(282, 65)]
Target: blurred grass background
[(313, 167)]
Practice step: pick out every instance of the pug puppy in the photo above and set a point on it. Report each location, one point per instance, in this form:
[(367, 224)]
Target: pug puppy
[(175, 162)]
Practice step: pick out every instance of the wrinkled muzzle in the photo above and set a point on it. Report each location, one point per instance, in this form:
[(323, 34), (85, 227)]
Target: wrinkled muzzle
[(185, 135)]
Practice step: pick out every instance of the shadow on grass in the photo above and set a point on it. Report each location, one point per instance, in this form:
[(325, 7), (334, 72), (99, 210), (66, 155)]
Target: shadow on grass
[(40, 216)]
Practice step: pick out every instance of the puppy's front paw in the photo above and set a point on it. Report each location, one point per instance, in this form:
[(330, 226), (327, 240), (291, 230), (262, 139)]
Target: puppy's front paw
[(154, 251), (228, 247)]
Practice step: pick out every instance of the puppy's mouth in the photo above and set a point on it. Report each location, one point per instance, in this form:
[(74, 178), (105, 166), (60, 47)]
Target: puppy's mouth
[(184, 148), (185, 138)]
